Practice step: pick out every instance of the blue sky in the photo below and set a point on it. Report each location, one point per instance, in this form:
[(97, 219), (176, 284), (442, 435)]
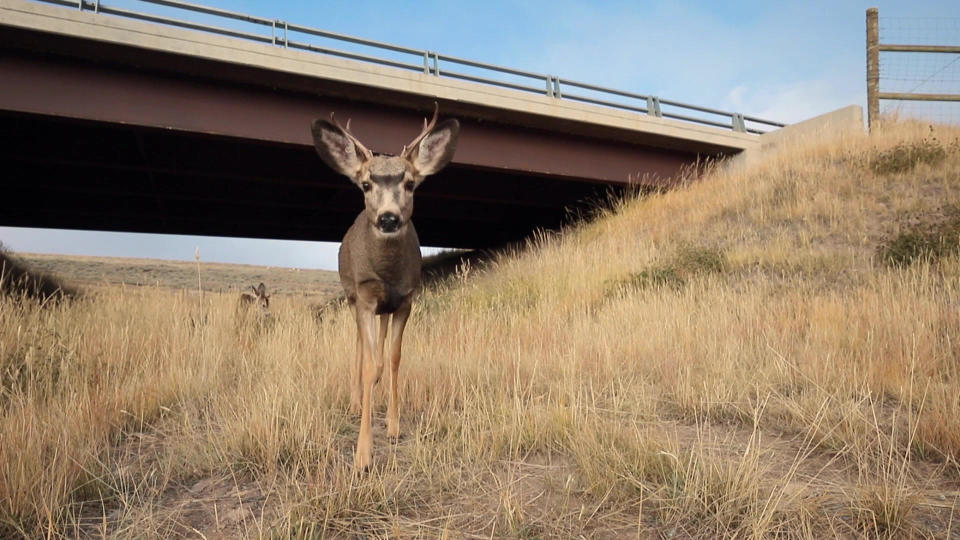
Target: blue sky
[(785, 61)]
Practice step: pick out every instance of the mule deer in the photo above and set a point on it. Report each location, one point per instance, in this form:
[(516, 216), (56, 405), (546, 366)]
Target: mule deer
[(379, 260), (259, 298), (253, 310)]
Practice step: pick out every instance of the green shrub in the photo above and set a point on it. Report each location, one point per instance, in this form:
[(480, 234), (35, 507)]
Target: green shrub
[(700, 260), (925, 241), (654, 277), (688, 262), (905, 156)]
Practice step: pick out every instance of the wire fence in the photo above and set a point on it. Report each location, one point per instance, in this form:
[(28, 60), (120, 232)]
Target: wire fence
[(294, 36), (917, 68)]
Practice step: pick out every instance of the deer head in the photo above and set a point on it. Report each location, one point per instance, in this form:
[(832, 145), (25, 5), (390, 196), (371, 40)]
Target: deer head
[(263, 299), (387, 182), (260, 298)]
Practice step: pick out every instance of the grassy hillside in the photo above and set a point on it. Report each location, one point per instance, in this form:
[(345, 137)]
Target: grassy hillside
[(767, 352)]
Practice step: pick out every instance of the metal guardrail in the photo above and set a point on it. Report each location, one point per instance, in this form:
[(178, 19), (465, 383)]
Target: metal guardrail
[(432, 63)]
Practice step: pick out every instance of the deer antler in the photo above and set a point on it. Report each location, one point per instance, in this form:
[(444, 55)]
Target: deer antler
[(367, 154), (427, 126)]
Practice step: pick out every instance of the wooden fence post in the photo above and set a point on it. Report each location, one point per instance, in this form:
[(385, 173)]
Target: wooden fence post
[(873, 69)]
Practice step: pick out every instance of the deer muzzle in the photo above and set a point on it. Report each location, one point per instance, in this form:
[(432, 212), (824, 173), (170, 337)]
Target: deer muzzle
[(388, 222)]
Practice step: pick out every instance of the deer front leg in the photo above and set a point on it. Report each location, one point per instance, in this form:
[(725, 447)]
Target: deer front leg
[(366, 320), (399, 323), (384, 326), (356, 384)]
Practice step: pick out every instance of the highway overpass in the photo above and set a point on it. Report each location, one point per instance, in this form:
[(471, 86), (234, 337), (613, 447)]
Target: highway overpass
[(114, 120)]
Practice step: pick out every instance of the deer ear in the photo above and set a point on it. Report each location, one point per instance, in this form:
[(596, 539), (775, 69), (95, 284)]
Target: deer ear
[(436, 149), (261, 289), (337, 149)]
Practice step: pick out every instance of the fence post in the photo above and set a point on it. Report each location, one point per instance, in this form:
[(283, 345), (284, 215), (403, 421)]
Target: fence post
[(873, 69)]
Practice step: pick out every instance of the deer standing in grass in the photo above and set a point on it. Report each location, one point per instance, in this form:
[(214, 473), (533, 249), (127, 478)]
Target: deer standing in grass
[(379, 260), (259, 298), (253, 314)]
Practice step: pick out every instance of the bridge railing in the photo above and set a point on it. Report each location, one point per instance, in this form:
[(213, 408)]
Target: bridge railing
[(295, 36)]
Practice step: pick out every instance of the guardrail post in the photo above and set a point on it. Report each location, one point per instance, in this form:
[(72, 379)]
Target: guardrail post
[(426, 62), (738, 124), (273, 27), (653, 106), (436, 63), (553, 86)]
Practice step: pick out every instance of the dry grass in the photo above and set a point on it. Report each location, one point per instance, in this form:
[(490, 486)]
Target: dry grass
[(781, 381), (96, 272)]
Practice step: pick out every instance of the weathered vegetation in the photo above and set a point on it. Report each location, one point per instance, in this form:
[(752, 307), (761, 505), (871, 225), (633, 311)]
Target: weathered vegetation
[(784, 381)]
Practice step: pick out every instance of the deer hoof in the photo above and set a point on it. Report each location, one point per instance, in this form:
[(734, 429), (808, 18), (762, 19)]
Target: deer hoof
[(362, 461), (354, 403)]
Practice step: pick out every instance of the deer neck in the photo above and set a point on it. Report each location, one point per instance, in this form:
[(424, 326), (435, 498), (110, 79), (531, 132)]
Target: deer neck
[(394, 258)]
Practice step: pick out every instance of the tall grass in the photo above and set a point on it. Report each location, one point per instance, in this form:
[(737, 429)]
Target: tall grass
[(727, 359)]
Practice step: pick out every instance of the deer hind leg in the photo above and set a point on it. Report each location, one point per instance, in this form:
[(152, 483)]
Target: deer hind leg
[(399, 323), (366, 321)]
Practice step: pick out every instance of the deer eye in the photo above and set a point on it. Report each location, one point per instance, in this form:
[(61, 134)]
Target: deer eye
[(409, 185), (365, 186)]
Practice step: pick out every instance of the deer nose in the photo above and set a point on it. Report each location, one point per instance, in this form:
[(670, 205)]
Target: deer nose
[(388, 222)]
